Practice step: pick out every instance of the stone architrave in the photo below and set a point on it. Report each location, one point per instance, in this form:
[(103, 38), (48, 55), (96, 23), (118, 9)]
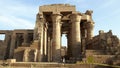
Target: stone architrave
[(76, 36), (56, 35)]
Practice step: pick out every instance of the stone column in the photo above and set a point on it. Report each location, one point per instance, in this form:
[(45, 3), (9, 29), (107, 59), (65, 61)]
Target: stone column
[(35, 55), (90, 26), (49, 50), (76, 36), (83, 43), (49, 46), (25, 55), (12, 45), (69, 37), (40, 38), (7, 43), (83, 33), (25, 37), (45, 42), (56, 35)]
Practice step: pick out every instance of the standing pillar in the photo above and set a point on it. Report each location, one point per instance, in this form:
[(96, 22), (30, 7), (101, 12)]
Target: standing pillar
[(49, 50), (76, 36), (12, 46), (49, 46), (83, 46), (69, 49), (56, 35), (40, 22), (83, 33), (90, 26), (7, 43), (25, 37), (45, 42)]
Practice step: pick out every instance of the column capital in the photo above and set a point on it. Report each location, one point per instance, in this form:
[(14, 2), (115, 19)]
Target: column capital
[(90, 24), (56, 18), (76, 17)]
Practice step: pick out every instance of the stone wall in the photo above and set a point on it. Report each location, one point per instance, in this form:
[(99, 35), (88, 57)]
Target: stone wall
[(25, 54), (104, 41), (2, 50), (102, 47)]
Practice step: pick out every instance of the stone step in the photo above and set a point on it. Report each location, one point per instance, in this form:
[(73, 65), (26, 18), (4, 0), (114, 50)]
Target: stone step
[(49, 65)]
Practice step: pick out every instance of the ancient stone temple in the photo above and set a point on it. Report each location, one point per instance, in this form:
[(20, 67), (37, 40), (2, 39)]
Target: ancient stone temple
[(54, 20), (43, 43)]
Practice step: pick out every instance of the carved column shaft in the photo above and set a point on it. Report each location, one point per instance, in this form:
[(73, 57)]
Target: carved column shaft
[(69, 37), (76, 36), (56, 35), (12, 46), (25, 37), (83, 33), (49, 49), (45, 43), (83, 43), (90, 26), (7, 43), (40, 38), (25, 56)]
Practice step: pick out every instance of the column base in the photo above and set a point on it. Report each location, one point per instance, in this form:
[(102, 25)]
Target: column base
[(57, 56)]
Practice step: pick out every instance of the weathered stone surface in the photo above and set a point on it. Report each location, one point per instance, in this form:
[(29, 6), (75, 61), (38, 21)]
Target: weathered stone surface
[(2, 50), (43, 43), (11, 60)]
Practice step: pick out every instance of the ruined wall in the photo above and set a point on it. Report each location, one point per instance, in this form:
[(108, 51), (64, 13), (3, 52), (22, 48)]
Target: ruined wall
[(104, 41), (2, 50), (103, 47)]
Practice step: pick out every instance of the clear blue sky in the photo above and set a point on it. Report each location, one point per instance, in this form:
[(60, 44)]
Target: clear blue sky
[(21, 14)]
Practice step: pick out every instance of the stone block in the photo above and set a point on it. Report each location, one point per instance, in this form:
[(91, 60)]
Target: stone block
[(11, 60)]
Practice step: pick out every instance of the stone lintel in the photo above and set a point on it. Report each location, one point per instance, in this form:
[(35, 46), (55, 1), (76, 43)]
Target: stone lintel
[(5, 31)]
